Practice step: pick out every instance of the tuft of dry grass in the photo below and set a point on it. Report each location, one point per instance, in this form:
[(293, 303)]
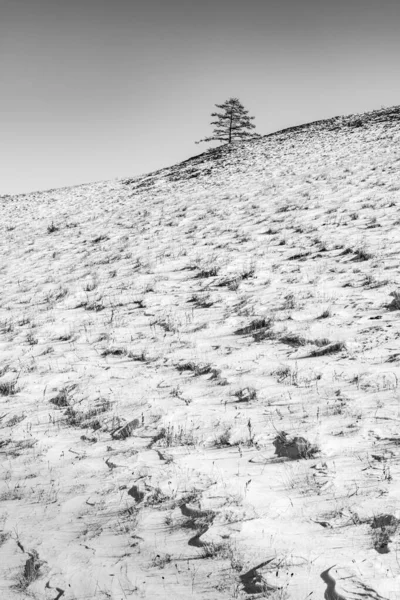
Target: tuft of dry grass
[(256, 326), (395, 303), (293, 448), (52, 228), (30, 573), (245, 394), (9, 388), (196, 369), (329, 349)]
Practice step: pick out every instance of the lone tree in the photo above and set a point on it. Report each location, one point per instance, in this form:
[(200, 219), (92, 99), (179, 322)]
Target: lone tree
[(233, 124)]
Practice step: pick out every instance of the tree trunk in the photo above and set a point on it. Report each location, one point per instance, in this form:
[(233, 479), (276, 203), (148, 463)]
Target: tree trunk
[(230, 126)]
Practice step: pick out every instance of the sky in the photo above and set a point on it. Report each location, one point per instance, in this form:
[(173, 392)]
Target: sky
[(94, 90)]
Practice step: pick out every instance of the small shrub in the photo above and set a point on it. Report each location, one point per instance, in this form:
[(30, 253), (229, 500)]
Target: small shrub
[(31, 571), (47, 350), (114, 352), (329, 349), (290, 302), (15, 420), (255, 326), (65, 337), (96, 305), (201, 300), (7, 326), (4, 537), (64, 396), (371, 282), (166, 324), (206, 272), (31, 339), (197, 369), (223, 439), (57, 294), (9, 388), (24, 320), (254, 583), (4, 369), (284, 373), (320, 342), (100, 238), (294, 448), (293, 339), (245, 394), (213, 549), (140, 357), (299, 256), (86, 419), (395, 303), (247, 271), (175, 436), (139, 303), (383, 528), (359, 253), (52, 228), (362, 254), (233, 285), (90, 285), (161, 560), (121, 433), (156, 497)]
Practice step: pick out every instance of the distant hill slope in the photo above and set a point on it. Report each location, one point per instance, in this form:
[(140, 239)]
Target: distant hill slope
[(204, 163), (199, 375)]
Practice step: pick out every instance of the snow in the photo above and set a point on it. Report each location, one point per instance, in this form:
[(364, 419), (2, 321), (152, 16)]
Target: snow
[(145, 275)]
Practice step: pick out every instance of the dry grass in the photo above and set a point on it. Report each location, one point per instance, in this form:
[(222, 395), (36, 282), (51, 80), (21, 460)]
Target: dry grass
[(164, 331)]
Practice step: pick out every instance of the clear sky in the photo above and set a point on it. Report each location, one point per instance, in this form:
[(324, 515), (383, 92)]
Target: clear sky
[(98, 89)]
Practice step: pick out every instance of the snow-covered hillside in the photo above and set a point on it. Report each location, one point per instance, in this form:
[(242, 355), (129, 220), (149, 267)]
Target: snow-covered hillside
[(157, 336)]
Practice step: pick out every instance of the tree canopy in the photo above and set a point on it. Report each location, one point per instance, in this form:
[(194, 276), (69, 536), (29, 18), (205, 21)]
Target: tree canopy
[(231, 125)]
